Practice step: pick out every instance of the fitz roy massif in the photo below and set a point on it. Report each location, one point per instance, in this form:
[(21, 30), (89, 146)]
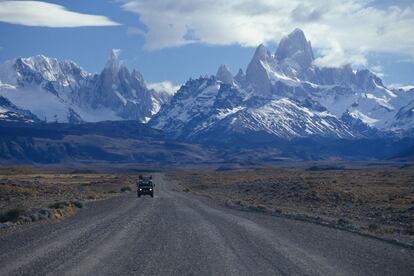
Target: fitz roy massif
[(281, 95)]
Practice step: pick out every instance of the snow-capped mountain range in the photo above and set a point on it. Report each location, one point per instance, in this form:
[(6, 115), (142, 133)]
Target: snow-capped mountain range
[(281, 95), (285, 95), (45, 89)]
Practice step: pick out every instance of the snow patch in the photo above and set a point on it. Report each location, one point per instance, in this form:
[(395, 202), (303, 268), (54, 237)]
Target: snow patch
[(223, 113), (364, 118), (380, 101), (123, 100)]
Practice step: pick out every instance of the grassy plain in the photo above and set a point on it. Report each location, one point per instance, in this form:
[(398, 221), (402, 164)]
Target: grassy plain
[(375, 200), (29, 194)]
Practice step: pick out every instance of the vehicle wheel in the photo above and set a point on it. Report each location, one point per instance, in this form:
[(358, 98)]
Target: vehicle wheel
[(152, 195), (139, 195)]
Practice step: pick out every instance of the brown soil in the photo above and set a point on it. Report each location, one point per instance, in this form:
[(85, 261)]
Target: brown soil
[(375, 201), (24, 189)]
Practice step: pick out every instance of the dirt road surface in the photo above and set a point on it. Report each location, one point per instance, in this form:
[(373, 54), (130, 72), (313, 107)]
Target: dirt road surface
[(177, 233)]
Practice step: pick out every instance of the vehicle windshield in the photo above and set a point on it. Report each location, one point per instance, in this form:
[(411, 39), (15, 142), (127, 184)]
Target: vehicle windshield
[(145, 185)]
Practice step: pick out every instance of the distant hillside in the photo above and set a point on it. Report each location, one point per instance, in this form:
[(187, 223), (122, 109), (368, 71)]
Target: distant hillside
[(123, 141), (132, 142)]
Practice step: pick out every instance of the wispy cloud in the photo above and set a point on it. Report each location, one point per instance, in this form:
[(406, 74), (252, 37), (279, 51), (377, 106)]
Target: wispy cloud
[(333, 55), (135, 31), (357, 26), (378, 70), (42, 14), (164, 86)]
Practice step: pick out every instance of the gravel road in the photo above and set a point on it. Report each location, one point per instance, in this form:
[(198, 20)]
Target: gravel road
[(177, 233)]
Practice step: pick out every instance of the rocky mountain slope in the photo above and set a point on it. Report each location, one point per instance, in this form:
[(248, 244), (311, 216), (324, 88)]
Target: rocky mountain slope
[(285, 95), (10, 112), (62, 91), (282, 96)]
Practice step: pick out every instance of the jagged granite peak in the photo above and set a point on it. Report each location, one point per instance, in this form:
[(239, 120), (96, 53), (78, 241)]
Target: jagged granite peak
[(257, 73), (64, 92), (283, 95), (261, 53), (240, 74), (224, 74), (286, 95), (112, 67), (124, 92), (240, 77), (207, 109), (292, 63), (113, 61), (138, 76), (38, 69), (296, 47)]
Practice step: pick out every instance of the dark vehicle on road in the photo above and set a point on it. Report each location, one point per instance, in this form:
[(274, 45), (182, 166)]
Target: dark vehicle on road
[(145, 186)]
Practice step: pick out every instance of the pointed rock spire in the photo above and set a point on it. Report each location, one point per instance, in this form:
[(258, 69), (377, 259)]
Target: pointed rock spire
[(240, 76), (295, 47), (113, 61), (256, 73), (138, 76), (261, 53), (224, 75), (240, 73), (110, 74)]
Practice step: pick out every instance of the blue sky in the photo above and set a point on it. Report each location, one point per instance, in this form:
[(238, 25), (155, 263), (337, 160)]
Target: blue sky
[(177, 39)]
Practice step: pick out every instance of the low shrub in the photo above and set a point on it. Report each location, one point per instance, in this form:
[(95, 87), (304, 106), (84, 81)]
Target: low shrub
[(342, 222), (24, 219), (44, 213), (12, 215), (78, 204), (59, 205), (278, 211), (126, 189), (410, 230), (35, 217), (373, 227)]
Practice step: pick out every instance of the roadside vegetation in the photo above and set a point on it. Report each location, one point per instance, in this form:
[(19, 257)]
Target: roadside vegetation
[(29, 195), (378, 201)]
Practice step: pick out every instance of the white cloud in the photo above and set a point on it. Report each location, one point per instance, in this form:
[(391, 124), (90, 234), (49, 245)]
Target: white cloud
[(378, 70), (358, 26), (42, 14), (135, 31), (335, 56), (164, 86)]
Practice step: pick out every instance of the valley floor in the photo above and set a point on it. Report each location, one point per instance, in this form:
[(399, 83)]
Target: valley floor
[(30, 194), (373, 200), (178, 233)]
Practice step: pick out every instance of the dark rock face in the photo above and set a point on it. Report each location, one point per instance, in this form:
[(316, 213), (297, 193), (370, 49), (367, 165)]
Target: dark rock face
[(296, 47)]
